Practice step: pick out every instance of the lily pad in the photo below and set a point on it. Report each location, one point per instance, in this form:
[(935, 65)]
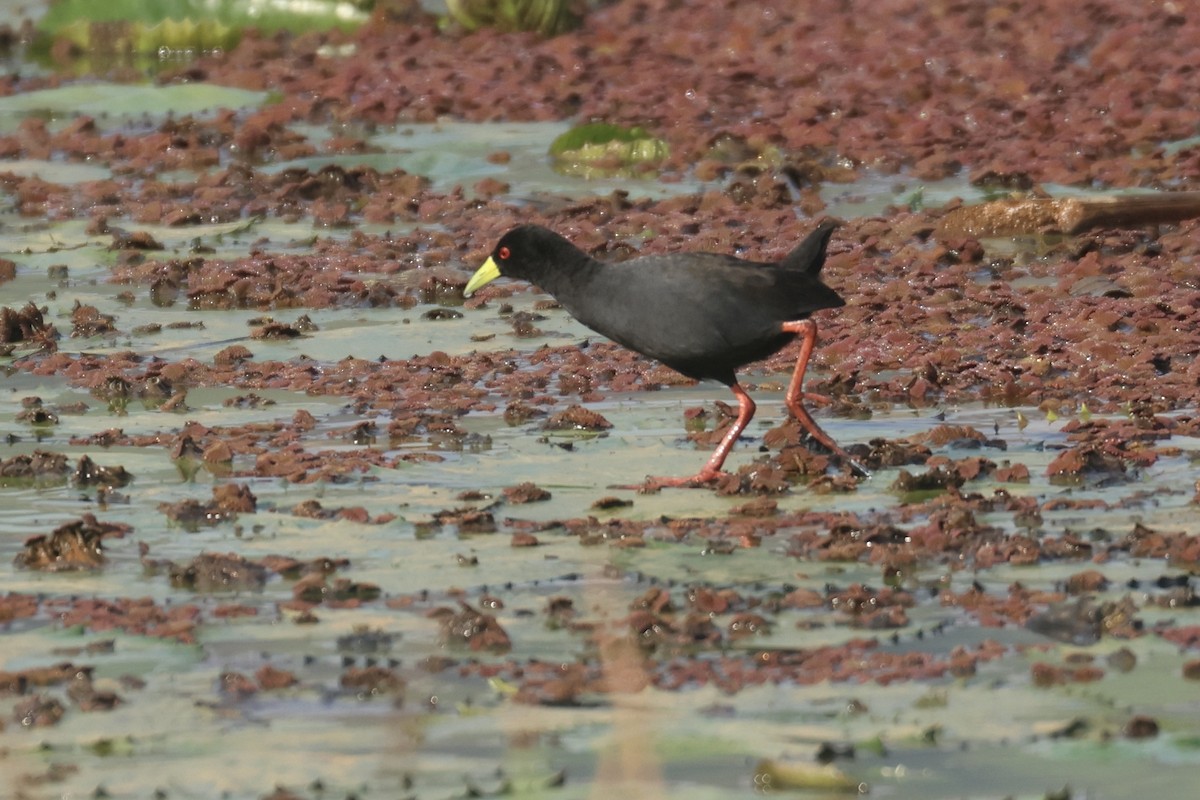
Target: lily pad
[(547, 17), (118, 102), (267, 15), (600, 149), (125, 37), (136, 29)]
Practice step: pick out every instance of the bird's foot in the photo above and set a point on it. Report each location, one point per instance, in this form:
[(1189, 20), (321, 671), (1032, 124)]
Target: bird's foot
[(856, 468), (818, 399), (653, 484)]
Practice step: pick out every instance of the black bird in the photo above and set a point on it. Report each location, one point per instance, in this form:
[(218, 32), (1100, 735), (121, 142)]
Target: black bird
[(702, 314)]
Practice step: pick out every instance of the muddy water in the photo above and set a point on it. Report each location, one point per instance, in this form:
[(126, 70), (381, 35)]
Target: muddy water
[(183, 729)]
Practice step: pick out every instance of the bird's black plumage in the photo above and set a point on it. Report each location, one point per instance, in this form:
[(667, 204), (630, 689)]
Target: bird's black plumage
[(703, 314)]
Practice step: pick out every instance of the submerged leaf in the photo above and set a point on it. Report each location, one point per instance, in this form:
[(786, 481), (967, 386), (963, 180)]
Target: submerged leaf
[(547, 17), (129, 29), (600, 149), (125, 37), (773, 774), (266, 15)]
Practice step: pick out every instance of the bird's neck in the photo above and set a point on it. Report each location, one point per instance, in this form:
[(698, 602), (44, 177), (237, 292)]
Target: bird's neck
[(570, 277)]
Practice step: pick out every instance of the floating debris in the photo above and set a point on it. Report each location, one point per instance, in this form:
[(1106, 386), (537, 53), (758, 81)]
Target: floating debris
[(73, 546), (1067, 215)]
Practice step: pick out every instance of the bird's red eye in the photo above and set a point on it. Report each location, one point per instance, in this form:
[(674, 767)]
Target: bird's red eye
[(504, 253)]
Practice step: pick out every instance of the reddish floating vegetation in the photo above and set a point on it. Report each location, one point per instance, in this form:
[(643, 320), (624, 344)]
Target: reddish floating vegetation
[(271, 678), (544, 683), (316, 588), (38, 466), (1103, 322), (73, 546), (17, 606), (215, 572), (1014, 141), (26, 324), (525, 493), (472, 628), (141, 616), (576, 418), (372, 682), (1045, 675)]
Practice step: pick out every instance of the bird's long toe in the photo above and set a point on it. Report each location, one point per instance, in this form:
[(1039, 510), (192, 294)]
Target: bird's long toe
[(655, 483), (857, 469)]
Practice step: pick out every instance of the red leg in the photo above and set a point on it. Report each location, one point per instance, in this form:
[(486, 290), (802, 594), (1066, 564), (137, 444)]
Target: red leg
[(806, 329), (711, 470), (746, 409)]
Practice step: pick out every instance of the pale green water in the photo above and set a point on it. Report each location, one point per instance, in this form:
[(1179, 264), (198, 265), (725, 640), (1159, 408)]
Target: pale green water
[(181, 735)]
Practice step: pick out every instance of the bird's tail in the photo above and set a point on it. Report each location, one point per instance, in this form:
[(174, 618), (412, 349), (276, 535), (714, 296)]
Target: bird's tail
[(809, 255)]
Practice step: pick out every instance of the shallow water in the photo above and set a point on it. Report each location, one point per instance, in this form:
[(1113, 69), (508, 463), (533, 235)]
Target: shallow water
[(453, 735), (455, 154)]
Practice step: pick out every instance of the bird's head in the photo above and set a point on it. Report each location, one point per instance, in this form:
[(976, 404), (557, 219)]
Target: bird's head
[(525, 253)]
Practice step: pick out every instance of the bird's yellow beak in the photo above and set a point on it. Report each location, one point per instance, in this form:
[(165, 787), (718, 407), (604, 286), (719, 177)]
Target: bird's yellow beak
[(482, 277)]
